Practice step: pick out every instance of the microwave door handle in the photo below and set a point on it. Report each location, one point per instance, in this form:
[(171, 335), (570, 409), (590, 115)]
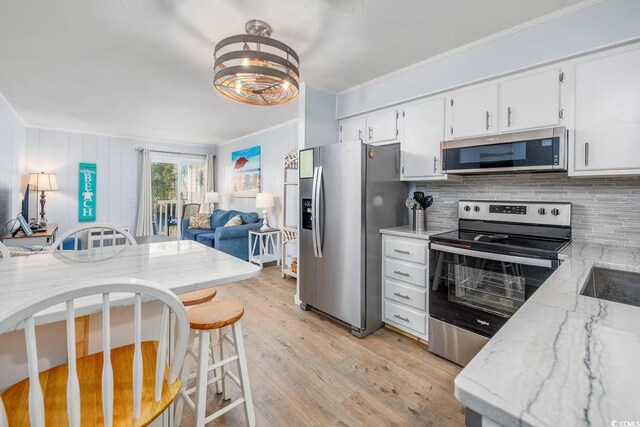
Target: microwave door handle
[(538, 262), (319, 230), (314, 217)]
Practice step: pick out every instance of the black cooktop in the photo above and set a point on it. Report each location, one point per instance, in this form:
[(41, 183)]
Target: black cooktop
[(503, 243)]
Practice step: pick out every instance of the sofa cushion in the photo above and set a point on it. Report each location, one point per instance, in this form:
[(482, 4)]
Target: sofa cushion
[(249, 217), (219, 218), (191, 233), (236, 220), (206, 238), (200, 220)]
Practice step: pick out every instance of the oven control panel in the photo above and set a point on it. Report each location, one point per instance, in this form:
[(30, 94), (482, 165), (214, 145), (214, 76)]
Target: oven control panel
[(508, 209), (539, 213)]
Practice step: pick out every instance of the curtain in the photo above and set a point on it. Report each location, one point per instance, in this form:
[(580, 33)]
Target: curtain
[(209, 180), (145, 201)]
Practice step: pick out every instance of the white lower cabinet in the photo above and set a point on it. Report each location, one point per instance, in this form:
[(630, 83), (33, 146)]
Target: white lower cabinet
[(405, 283)]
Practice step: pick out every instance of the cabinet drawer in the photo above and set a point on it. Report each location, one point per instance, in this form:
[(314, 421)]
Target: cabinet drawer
[(406, 317), (410, 273), (405, 294), (407, 250)]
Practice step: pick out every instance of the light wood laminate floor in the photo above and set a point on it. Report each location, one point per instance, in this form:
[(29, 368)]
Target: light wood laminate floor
[(307, 370)]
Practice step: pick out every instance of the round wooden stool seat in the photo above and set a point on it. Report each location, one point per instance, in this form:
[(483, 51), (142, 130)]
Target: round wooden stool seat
[(197, 297), (215, 315)]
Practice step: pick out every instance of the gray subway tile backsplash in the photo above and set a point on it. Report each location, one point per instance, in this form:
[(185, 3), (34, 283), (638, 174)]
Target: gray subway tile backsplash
[(605, 210)]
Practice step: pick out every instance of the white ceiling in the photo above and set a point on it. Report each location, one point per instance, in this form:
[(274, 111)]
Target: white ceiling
[(143, 68)]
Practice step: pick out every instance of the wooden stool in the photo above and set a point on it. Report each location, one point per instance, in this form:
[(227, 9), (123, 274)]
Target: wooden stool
[(197, 297), (204, 318)]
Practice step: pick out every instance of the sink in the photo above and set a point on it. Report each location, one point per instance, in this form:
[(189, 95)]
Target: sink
[(613, 285)]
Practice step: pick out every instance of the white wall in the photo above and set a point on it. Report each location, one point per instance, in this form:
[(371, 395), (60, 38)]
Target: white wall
[(275, 143), (117, 161), (12, 150), (599, 24)]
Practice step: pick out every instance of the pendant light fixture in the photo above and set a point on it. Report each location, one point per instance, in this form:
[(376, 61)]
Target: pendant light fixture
[(255, 69)]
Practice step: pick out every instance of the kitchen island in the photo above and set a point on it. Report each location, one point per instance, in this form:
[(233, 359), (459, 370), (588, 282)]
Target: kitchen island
[(564, 359), (179, 266)]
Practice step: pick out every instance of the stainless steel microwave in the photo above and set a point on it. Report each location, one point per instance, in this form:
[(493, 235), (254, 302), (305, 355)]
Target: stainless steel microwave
[(534, 151)]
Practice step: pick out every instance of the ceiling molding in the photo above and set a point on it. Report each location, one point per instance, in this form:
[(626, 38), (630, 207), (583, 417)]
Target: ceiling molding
[(502, 34), (288, 122), (13, 110), (113, 135)]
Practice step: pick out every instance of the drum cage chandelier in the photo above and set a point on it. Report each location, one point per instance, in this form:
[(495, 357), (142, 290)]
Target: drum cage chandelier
[(255, 69)]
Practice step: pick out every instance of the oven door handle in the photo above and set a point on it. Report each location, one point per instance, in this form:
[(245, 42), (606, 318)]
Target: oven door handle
[(493, 256)]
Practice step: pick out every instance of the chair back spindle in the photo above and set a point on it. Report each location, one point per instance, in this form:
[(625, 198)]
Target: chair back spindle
[(24, 316), (106, 233)]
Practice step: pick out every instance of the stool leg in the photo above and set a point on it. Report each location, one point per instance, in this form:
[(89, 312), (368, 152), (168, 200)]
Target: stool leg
[(244, 374), (215, 355), (201, 380), (223, 355), (184, 375)]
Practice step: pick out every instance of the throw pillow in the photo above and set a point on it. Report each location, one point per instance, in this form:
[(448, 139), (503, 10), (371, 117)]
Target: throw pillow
[(200, 220), (236, 220)]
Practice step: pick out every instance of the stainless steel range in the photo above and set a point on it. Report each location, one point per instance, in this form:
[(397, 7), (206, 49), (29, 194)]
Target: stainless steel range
[(484, 271)]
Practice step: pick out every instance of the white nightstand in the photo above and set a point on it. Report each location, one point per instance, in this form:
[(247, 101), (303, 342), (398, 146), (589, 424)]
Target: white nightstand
[(267, 243)]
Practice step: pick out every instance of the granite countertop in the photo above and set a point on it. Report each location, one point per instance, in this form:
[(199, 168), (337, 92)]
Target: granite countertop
[(408, 231), (563, 359)]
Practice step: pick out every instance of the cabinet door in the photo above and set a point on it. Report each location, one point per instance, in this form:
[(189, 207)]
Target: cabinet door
[(474, 112), (530, 102), (420, 145), (352, 129), (382, 126), (607, 113)]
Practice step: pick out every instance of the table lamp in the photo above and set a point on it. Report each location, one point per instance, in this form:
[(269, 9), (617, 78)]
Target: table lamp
[(264, 201), (211, 197), (43, 182)]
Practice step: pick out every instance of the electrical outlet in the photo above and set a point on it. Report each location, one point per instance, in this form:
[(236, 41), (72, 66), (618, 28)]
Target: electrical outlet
[(133, 199)]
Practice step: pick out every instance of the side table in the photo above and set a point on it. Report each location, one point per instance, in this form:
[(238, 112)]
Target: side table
[(266, 244)]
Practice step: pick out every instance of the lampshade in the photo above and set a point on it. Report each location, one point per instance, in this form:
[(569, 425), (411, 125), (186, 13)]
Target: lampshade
[(211, 197), (264, 200), (43, 181)]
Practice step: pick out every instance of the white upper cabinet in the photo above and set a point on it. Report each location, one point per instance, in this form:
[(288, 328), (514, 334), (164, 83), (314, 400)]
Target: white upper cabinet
[(531, 101), (420, 144), (382, 126), (474, 112), (607, 113), (352, 129)]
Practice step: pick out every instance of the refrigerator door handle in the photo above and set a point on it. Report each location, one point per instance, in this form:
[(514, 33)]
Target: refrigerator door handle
[(314, 216), (318, 198)]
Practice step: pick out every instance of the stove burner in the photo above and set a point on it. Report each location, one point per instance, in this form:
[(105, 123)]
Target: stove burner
[(491, 238)]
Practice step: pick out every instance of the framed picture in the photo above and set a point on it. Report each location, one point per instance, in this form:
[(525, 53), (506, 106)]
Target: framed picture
[(246, 178)]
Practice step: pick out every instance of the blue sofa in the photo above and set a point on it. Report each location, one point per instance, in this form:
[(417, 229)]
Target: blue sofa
[(232, 240)]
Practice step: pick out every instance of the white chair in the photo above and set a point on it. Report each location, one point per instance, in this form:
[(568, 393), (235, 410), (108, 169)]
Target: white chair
[(4, 252), (125, 393), (95, 236)]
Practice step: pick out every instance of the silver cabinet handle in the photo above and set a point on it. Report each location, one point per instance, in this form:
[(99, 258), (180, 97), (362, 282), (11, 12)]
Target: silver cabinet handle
[(435, 164), (586, 154), (397, 316), (402, 252), (487, 119), (398, 294), (402, 273), (509, 117), (360, 134), (370, 132)]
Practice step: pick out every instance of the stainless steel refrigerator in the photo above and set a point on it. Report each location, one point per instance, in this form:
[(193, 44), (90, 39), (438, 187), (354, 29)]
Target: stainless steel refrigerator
[(348, 192)]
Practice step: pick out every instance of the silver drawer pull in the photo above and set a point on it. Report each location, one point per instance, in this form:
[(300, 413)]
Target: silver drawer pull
[(397, 316), (402, 252), (402, 273), (398, 294)]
